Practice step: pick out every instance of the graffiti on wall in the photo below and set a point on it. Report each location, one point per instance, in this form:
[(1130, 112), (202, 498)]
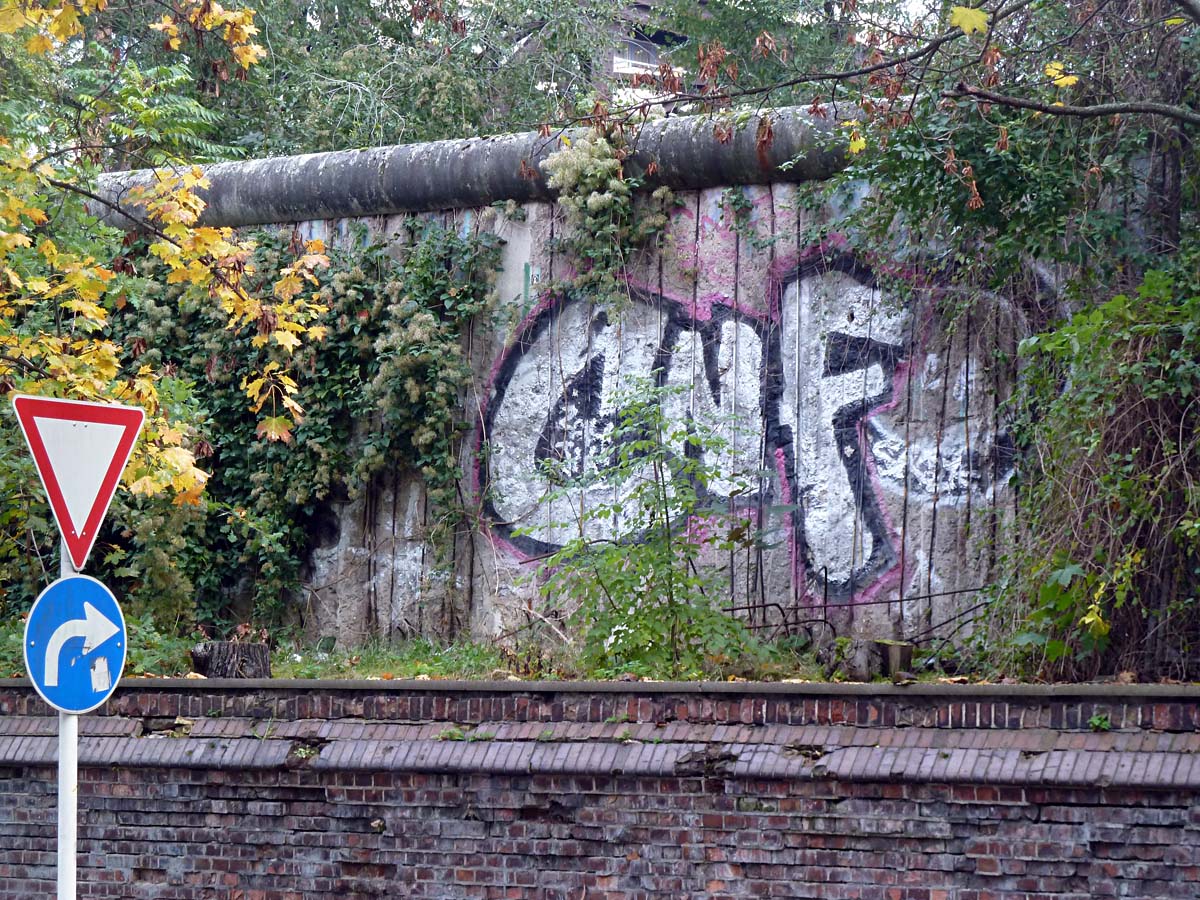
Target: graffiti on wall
[(802, 389), (842, 349), (557, 389)]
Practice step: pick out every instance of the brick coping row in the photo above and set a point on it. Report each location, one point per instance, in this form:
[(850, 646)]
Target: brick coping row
[(1125, 693), (791, 754), (1162, 708)]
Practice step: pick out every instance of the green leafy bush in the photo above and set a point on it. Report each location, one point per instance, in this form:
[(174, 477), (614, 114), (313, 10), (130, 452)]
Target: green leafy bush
[(152, 650), (1107, 568), (384, 384)]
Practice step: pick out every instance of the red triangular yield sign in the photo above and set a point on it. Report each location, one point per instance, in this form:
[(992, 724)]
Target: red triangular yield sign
[(80, 450)]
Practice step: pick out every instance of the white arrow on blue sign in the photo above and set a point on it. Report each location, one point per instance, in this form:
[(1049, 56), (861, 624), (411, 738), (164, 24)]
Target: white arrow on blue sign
[(75, 644)]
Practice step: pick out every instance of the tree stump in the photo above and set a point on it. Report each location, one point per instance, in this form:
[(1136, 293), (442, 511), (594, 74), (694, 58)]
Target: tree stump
[(231, 659)]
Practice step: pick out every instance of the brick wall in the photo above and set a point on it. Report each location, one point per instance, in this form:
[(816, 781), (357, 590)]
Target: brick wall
[(443, 790)]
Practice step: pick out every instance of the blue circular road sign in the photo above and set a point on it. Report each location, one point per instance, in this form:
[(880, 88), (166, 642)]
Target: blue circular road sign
[(75, 644)]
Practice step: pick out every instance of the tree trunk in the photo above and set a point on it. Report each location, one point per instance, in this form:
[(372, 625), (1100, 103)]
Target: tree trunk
[(229, 659)]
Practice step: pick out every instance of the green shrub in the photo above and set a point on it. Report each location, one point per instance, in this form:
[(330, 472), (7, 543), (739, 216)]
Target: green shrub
[(649, 602)]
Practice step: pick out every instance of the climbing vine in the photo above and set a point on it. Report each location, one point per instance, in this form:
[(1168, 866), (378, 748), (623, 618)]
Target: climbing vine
[(379, 391), (597, 194), (1105, 574)]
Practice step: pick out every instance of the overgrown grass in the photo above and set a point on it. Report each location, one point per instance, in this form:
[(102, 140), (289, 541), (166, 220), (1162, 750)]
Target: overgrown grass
[(155, 653), (410, 659), (151, 652)]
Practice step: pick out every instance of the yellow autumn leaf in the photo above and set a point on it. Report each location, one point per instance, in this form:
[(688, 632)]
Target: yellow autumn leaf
[(857, 143), (39, 44), (105, 365), (83, 306), (285, 339), (254, 388), (146, 486), (249, 54), (275, 428), (10, 241), (1175, 20), (178, 458), (199, 273), (66, 23), (293, 407), (191, 496), (968, 19), (1056, 73), (288, 287), (12, 18), (195, 178), (1094, 622)]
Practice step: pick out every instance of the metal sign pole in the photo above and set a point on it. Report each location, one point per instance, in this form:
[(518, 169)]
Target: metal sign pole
[(68, 796), (68, 780)]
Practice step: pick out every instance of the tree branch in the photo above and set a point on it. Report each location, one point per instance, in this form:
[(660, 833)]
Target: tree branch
[(25, 363), (924, 52), (115, 207), (1141, 108), (150, 227)]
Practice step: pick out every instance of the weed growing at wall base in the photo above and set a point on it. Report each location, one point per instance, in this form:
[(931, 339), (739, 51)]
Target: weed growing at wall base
[(409, 659), (649, 601)]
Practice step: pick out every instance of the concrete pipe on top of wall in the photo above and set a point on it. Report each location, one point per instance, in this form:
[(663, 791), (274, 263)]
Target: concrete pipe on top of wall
[(687, 151)]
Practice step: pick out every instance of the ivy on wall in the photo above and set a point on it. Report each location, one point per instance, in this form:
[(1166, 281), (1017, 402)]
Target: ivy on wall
[(381, 389)]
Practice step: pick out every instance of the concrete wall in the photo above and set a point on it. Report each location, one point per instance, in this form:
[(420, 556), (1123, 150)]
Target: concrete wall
[(865, 434), (250, 791)]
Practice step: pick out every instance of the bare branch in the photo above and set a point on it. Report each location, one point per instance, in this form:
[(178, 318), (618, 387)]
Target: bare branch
[(25, 363), (1141, 108), (138, 222), (922, 54)]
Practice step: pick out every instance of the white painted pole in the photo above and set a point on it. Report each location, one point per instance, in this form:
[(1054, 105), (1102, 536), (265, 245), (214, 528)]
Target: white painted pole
[(68, 780), (68, 800)]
